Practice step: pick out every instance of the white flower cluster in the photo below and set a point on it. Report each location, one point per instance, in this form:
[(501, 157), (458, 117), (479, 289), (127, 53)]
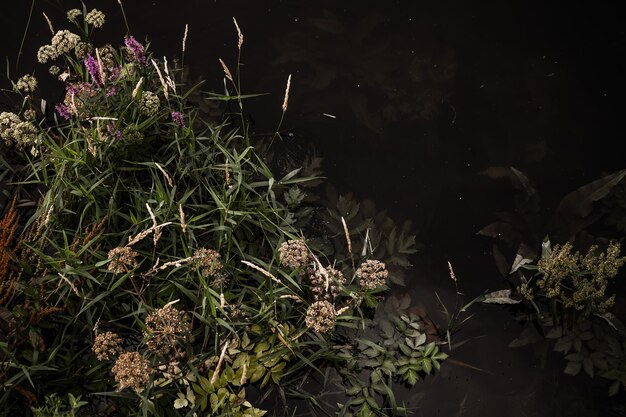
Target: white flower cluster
[(15, 131), (73, 14), (95, 18), (149, 103), (62, 42), (30, 114), (27, 84)]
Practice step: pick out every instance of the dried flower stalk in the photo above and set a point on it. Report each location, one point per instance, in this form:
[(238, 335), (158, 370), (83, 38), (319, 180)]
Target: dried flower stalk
[(49, 23), (263, 271), (345, 230), (183, 224), (226, 70), (185, 37), (216, 374), (8, 226), (286, 99), (163, 84), (239, 35), (137, 87)]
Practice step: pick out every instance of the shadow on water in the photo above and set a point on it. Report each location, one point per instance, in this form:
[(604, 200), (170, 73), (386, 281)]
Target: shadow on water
[(408, 102)]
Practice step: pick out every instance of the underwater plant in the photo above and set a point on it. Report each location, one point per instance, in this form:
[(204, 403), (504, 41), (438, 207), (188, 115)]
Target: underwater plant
[(564, 294)]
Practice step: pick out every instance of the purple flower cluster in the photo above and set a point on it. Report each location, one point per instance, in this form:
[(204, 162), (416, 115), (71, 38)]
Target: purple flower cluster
[(94, 69), (113, 131), (111, 92), (177, 117), (136, 48), (63, 111)]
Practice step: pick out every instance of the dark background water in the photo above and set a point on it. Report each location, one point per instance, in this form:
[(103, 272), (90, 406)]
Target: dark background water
[(426, 96)]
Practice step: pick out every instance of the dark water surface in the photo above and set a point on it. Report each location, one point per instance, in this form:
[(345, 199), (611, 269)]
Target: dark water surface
[(425, 95)]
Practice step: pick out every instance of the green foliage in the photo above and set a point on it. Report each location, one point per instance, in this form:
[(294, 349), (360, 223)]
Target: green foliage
[(396, 350), (56, 407)]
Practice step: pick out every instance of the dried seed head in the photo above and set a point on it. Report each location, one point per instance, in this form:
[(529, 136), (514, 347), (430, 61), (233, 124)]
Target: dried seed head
[(208, 260), (294, 254), (122, 259), (107, 345), (165, 326), (372, 274), (131, 370), (321, 316), (318, 283)]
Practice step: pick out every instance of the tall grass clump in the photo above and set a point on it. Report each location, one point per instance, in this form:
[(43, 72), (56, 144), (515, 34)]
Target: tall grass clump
[(151, 263)]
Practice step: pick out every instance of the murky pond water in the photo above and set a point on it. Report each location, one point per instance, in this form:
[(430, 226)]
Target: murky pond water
[(408, 102)]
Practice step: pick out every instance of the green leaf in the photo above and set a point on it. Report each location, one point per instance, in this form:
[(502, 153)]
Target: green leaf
[(427, 365), (573, 368), (411, 377), (614, 388)]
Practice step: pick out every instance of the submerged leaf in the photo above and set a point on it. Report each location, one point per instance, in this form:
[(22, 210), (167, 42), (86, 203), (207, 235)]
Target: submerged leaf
[(499, 297), (580, 202)]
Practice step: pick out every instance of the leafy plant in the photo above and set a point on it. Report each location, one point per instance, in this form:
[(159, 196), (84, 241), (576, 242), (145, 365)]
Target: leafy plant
[(163, 268)]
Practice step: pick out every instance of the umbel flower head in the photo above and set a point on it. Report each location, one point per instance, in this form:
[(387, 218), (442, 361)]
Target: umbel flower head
[(294, 254), (107, 345), (95, 18), (164, 327), (73, 14), (122, 259), (26, 84), (15, 131), (64, 41), (208, 260), (8, 121), (372, 274), (321, 316), (149, 103), (131, 370)]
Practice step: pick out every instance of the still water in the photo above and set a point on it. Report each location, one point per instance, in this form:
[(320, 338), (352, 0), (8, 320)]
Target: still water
[(408, 102)]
